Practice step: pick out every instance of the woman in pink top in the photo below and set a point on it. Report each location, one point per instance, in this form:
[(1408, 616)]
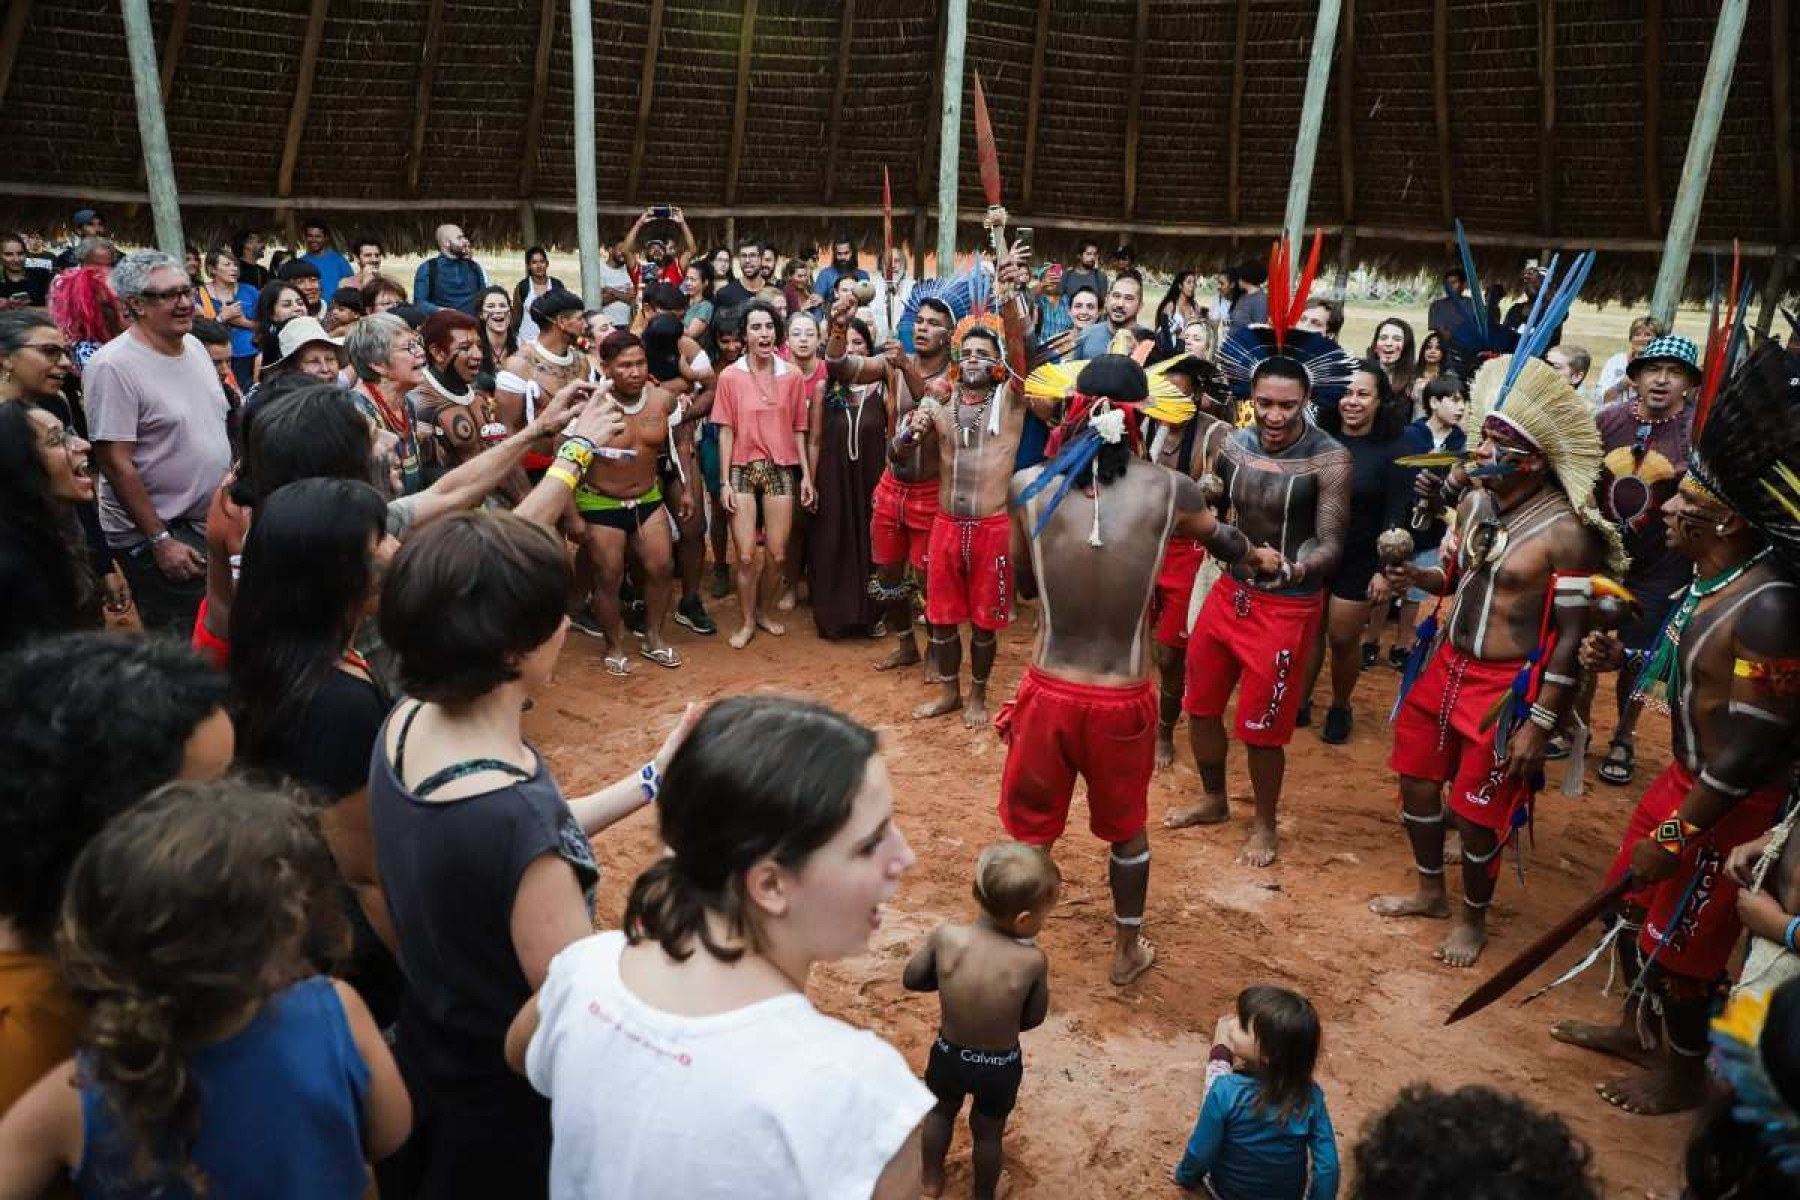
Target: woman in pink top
[(761, 414)]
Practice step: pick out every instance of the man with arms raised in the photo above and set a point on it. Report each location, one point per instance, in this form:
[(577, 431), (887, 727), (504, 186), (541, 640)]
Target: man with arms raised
[(1526, 541), (970, 550), (1288, 485), (1086, 705), (1728, 667), (620, 500)]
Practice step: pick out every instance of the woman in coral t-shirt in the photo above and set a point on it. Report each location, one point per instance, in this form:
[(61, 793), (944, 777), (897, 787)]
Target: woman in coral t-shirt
[(761, 413)]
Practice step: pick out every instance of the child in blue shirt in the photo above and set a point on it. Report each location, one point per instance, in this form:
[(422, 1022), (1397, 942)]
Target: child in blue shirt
[(1263, 1132)]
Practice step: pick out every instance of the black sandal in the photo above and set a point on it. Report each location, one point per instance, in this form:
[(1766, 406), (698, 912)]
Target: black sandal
[(1616, 769)]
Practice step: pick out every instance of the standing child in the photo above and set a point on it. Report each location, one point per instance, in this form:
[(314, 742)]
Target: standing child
[(1263, 1117), (992, 982), (215, 1061)]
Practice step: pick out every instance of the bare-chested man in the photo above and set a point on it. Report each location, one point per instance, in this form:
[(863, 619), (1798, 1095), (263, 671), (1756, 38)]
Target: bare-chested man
[(542, 368), (1733, 692), (1526, 541), (1086, 706), (906, 499), (621, 503), (978, 426), (1289, 488)]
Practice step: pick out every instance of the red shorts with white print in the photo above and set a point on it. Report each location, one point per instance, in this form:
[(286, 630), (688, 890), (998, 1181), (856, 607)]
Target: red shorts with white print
[(1264, 639)]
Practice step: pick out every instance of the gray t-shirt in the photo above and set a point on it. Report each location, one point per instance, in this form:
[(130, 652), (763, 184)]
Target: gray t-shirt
[(618, 312), (172, 411)]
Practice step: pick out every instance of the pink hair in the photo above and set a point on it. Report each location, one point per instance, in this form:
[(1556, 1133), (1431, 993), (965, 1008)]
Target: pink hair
[(84, 307)]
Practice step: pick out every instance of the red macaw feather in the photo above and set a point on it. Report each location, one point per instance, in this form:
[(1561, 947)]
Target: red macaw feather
[(985, 149), (1278, 289), (1718, 344), (1297, 303)]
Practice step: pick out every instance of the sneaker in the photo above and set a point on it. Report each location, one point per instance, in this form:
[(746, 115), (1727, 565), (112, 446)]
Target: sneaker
[(1371, 654), (582, 620), (1337, 726), (1397, 658), (692, 613), (721, 583)]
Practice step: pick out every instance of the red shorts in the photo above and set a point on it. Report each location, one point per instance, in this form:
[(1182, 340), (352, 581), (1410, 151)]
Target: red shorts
[(900, 529), (1438, 736), (215, 650), (1706, 931), (1174, 588), (1266, 639), (1055, 730), (971, 571)]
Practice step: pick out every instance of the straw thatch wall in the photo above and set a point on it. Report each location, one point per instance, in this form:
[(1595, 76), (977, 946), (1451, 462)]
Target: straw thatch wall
[(1626, 79)]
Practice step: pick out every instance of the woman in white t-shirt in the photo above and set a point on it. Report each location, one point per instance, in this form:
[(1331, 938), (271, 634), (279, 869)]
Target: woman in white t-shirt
[(681, 1056)]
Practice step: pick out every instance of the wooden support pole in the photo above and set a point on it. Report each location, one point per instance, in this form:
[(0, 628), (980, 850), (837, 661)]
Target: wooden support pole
[(646, 87), (1312, 115), (1781, 97), (1346, 130), (834, 119), (1440, 99), (741, 107), (587, 175), (171, 57), (153, 131), (1671, 275), (428, 60), (303, 89), (956, 37), (1234, 139), (1134, 96), (528, 223), (1035, 104), (1547, 160), (12, 35), (534, 110), (1652, 122)]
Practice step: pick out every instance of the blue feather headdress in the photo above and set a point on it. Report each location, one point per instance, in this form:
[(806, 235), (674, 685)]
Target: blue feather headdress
[(958, 293)]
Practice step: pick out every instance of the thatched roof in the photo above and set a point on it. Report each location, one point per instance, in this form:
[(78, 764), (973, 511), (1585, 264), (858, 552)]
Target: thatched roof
[(1626, 79)]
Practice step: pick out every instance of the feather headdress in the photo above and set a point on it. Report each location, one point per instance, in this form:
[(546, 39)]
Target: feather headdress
[(1746, 454), (1476, 339), (1328, 369), (1756, 1100), (1056, 381), (1106, 413), (957, 294), (1541, 406)]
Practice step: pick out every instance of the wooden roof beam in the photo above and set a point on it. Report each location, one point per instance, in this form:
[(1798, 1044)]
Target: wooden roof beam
[(1547, 115), (428, 60), (12, 36), (1652, 120), (1440, 98), (741, 107), (834, 119), (1234, 139), (1134, 97), (646, 87), (534, 111), (303, 89), (1034, 106)]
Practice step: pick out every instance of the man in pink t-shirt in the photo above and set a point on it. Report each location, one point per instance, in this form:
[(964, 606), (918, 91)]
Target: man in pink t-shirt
[(761, 413)]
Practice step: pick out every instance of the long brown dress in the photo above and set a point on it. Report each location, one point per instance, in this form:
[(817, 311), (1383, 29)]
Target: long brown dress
[(852, 454)]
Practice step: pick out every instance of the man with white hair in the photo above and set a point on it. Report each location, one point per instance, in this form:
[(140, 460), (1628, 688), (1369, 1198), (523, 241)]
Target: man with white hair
[(451, 279), (157, 420)]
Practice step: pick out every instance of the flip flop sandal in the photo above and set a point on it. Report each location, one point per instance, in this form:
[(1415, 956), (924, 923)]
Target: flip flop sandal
[(1615, 769), (663, 657), (1556, 749), (617, 664)]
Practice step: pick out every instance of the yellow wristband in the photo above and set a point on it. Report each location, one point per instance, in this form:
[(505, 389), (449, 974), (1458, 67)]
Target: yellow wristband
[(563, 474)]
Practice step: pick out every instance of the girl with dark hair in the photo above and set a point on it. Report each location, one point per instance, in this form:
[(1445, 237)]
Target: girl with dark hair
[(1432, 365), (537, 282), (1392, 347), (215, 1062), (1179, 309), (47, 584), (847, 445), (724, 345), (500, 336), (306, 705), (1367, 421), (697, 284), (779, 818), (487, 870), (278, 303), (1263, 1132)]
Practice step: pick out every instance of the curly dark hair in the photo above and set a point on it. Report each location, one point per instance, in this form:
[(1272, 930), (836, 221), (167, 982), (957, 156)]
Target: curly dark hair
[(180, 915), (1474, 1143), (42, 530), (92, 723)]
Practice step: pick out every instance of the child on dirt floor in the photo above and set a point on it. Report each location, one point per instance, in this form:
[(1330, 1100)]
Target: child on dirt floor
[(992, 982), (1263, 1117)]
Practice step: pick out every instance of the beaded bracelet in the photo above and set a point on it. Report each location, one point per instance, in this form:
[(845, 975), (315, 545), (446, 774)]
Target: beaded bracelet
[(1787, 937), (1542, 717), (650, 779)]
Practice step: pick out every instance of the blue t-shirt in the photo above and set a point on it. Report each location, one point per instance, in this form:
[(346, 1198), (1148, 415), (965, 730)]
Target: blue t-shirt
[(1249, 1153), (334, 268), (281, 1110), (243, 341)]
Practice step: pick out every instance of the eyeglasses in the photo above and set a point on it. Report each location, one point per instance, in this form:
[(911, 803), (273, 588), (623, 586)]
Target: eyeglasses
[(165, 295), (413, 346)]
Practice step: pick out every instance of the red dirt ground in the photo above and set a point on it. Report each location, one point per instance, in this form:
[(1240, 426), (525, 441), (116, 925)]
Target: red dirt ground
[(1113, 1078)]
